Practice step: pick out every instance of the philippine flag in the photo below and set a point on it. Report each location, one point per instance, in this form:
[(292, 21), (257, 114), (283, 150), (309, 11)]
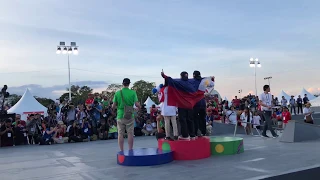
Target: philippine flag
[(185, 93)]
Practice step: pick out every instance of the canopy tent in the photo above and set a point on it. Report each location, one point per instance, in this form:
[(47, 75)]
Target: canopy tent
[(315, 102), (149, 103), (212, 91), (282, 93), (28, 105), (303, 92)]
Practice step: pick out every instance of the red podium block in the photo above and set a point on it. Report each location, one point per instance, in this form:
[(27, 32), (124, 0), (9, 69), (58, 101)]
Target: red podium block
[(187, 149)]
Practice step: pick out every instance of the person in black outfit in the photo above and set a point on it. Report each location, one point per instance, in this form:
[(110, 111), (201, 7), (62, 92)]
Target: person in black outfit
[(305, 99), (199, 110), (186, 117), (299, 103), (6, 133), (74, 132)]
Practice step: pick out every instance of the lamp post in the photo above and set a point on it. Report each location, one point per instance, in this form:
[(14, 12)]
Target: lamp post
[(255, 63), (268, 78), (240, 91), (73, 48)]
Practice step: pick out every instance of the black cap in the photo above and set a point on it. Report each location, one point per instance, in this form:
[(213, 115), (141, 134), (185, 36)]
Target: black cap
[(126, 81)]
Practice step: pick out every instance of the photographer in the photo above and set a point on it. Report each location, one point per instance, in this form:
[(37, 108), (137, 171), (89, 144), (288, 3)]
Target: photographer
[(96, 115), (34, 129), (6, 133), (71, 113), (75, 133), (20, 132)]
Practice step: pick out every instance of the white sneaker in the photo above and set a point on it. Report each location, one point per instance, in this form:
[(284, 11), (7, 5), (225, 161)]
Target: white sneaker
[(184, 138)]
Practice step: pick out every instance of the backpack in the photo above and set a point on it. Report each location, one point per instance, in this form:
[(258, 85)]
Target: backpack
[(128, 110)]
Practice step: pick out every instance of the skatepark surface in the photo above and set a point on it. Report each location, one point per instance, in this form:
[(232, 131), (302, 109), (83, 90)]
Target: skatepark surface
[(262, 158)]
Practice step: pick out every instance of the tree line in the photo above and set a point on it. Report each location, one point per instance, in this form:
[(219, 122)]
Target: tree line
[(80, 94)]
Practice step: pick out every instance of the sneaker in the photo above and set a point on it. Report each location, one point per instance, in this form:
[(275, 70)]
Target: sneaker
[(275, 136), (193, 138), (168, 139), (265, 136), (175, 138), (184, 138)]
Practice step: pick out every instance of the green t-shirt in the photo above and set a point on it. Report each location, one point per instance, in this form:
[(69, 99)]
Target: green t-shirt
[(113, 129), (130, 97), (105, 103)]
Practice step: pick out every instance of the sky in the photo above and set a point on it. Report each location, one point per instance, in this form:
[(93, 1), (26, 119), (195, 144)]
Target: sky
[(139, 38)]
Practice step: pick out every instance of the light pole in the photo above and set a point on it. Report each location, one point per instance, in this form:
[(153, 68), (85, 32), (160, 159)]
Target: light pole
[(268, 78), (255, 63), (73, 48), (240, 91)]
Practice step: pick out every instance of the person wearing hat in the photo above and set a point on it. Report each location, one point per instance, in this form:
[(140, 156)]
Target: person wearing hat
[(307, 112), (123, 101)]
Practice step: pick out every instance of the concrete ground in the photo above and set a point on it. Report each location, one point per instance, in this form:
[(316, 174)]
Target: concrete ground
[(97, 161)]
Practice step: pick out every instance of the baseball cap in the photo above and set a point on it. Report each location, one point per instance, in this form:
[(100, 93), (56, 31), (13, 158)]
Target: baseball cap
[(126, 81)]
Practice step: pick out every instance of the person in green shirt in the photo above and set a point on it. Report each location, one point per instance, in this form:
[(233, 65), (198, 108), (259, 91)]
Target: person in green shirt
[(113, 130), (129, 99)]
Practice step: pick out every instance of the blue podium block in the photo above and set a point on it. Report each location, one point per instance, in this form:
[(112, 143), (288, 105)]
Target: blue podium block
[(144, 157)]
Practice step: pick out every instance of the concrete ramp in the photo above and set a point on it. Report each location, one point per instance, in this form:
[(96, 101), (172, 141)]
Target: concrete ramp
[(296, 131), (223, 129)]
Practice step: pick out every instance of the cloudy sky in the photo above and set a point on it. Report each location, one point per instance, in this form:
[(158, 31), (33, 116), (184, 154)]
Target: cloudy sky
[(138, 38)]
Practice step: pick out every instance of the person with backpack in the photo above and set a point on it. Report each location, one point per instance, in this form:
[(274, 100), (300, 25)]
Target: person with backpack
[(123, 101)]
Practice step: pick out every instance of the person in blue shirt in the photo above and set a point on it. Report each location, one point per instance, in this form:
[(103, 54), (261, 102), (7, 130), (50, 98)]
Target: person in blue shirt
[(97, 110), (47, 138), (86, 132)]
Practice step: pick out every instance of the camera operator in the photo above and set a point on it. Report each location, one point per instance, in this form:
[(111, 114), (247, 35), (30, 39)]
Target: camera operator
[(70, 113), (6, 133), (96, 115), (34, 129), (20, 132)]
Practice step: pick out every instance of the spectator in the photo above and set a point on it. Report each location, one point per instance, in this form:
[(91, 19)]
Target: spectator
[(209, 121), (82, 113), (71, 114), (305, 99), (103, 130), (124, 100), (6, 133), (299, 103), (34, 130), (292, 105), (286, 117), (160, 127), (60, 135), (75, 133), (236, 102), (256, 119), (307, 112), (113, 130), (148, 129), (284, 102), (96, 112), (153, 113), (86, 129), (47, 138), (246, 120), (20, 132), (231, 116)]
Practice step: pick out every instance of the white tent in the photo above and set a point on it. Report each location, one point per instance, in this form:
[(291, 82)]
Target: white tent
[(28, 105), (303, 92), (282, 93), (315, 102), (149, 103)]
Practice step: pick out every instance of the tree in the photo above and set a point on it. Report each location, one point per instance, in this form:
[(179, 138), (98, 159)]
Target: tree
[(44, 101), (13, 99), (144, 90), (78, 94), (111, 90)]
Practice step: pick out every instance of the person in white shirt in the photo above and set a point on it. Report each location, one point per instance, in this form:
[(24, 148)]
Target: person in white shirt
[(169, 114), (284, 102), (256, 120), (246, 120), (307, 112), (231, 116), (265, 101), (148, 128)]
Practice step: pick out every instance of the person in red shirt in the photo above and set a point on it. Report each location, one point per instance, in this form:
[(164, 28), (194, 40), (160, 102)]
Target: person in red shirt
[(286, 116)]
